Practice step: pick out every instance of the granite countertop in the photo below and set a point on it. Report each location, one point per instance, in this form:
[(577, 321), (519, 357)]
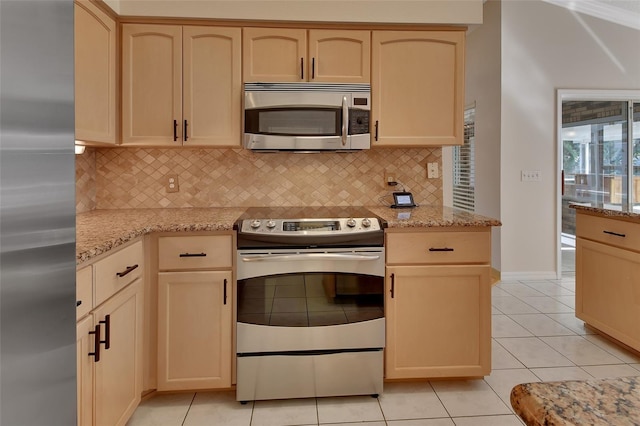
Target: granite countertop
[(603, 211), (431, 216), (99, 231), (580, 402)]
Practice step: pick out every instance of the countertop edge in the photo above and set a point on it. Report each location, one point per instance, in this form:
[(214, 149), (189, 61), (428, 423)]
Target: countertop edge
[(100, 231)]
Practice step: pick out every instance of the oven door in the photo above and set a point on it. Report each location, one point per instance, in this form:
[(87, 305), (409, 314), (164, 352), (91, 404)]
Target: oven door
[(306, 300)]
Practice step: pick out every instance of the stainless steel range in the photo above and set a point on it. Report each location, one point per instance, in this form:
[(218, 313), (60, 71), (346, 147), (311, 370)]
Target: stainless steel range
[(310, 303)]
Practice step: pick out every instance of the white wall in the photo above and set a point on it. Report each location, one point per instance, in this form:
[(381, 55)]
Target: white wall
[(545, 48), (482, 86), (383, 11)]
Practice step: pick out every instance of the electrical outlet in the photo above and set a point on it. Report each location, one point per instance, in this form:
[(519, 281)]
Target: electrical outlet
[(530, 176), (171, 183), (432, 171), (389, 179)]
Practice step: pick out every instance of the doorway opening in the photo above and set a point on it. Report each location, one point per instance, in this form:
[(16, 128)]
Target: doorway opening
[(599, 158)]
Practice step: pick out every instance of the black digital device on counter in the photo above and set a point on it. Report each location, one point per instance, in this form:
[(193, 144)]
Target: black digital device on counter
[(402, 200)]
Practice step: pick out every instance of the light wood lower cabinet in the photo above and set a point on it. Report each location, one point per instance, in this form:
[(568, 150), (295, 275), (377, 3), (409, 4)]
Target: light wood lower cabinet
[(195, 311), (608, 290), (438, 303), (109, 337), (118, 375), (84, 375), (438, 321), (194, 330)]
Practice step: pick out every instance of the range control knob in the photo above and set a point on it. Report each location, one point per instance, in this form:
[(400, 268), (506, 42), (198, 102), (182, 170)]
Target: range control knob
[(366, 222), (351, 222), (271, 224), (255, 224)]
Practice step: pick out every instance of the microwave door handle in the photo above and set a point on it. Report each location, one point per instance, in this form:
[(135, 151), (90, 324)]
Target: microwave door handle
[(345, 120)]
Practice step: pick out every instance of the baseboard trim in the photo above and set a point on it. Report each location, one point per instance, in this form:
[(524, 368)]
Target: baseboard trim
[(495, 276), (531, 276)]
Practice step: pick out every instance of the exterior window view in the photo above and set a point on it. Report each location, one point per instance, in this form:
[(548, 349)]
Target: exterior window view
[(319, 213), (600, 139)]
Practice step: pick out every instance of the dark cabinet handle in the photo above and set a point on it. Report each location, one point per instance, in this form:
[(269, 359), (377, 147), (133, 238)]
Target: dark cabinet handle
[(225, 291), (78, 303), (313, 68), (193, 254), (107, 332), (186, 137), (615, 234), (96, 343), (440, 249), (376, 135), (127, 271), (175, 130), (393, 285), (301, 68)]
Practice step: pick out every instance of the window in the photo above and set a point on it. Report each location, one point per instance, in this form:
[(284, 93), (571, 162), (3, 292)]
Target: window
[(464, 165), (596, 139)]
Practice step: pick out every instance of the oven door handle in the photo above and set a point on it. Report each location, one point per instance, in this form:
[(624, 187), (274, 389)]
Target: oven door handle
[(307, 256)]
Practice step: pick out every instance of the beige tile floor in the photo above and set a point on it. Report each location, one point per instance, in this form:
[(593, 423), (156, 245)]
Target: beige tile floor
[(536, 337)]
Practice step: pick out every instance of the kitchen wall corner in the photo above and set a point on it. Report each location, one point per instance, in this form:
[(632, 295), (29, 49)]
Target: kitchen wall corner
[(86, 181)]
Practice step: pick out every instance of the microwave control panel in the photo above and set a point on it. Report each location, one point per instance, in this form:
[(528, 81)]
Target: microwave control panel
[(358, 121)]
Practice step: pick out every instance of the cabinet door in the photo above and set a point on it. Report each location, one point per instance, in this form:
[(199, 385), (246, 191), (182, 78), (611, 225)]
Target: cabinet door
[(340, 56), (194, 330), (417, 88), (438, 321), (151, 84), (84, 375), (274, 54), (212, 86), (608, 290), (118, 375), (95, 74)]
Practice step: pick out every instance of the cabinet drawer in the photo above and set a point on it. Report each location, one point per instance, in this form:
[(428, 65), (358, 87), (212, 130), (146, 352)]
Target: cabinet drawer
[(198, 252), (609, 231), (438, 247), (116, 271), (84, 291)]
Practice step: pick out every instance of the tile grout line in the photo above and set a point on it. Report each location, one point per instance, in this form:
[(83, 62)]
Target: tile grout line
[(189, 408)]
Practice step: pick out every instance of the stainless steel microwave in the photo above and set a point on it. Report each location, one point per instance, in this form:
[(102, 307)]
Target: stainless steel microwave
[(306, 116)]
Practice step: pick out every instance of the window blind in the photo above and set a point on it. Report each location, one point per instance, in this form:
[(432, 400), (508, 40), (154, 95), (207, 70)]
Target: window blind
[(464, 165)]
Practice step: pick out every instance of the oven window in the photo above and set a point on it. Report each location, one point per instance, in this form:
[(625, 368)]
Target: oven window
[(310, 300), (294, 121)]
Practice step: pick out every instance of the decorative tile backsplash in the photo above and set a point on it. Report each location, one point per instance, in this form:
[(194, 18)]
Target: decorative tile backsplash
[(86, 181), (136, 178)]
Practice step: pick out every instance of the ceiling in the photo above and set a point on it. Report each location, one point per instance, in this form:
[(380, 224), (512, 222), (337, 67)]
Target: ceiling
[(622, 12)]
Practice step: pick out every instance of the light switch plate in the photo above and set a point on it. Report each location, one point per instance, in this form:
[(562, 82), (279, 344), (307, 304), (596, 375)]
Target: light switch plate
[(432, 171)]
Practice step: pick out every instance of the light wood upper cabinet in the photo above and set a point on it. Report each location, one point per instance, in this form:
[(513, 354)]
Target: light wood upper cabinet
[(212, 86), (151, 84), (95, 74), (340, 56), (270, 54), (295, 55), (417, 88), (180, 86)]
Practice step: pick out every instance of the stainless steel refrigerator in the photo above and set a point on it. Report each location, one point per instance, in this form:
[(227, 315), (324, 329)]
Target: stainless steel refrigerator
[(37, 214)]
